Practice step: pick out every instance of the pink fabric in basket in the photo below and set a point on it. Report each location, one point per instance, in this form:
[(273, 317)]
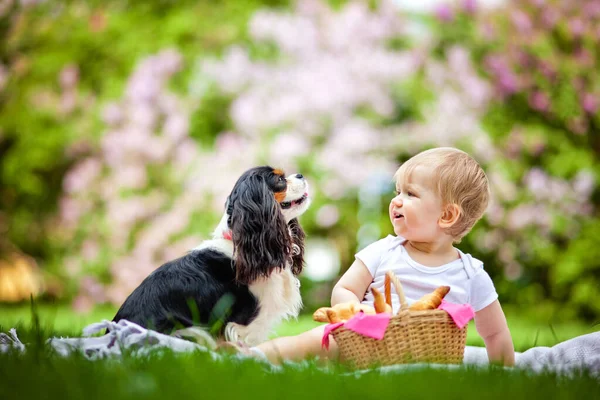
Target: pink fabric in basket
[(375, 325), (461, 314), (367, 325), (327, 331)]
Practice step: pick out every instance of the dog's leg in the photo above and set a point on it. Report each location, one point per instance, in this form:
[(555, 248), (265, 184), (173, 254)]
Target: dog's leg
[(198, 335), (232, 332)]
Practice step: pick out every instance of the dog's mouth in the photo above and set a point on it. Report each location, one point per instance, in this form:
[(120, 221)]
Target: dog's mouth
[(289, 204)]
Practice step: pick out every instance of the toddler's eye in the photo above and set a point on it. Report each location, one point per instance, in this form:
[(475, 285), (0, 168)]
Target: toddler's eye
[(410, 194), (396, 192)]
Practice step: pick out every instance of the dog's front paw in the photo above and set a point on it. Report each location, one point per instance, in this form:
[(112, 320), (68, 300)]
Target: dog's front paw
[(231, 332), (198, 335)]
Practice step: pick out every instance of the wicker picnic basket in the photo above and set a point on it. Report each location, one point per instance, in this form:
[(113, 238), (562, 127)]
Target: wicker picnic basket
[(411, 337)]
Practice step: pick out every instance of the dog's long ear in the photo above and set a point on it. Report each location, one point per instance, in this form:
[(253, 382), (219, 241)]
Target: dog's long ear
[(261, 241), (297, 234)]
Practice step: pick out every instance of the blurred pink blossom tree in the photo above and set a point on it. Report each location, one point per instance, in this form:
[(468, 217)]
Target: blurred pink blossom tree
[(341, 102)]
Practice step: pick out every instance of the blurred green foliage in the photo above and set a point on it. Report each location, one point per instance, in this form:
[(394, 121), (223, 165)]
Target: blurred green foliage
[(103, 40), (548, 119), (543, 60)]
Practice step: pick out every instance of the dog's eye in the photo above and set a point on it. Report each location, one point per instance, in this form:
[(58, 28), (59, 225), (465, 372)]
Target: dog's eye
[(281, 179)]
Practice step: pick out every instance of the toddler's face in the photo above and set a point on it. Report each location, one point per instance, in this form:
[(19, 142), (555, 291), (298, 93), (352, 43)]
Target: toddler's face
[(417, 208)]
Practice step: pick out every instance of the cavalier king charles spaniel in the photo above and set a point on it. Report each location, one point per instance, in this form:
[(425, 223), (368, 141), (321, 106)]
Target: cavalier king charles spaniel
[(242, 282)]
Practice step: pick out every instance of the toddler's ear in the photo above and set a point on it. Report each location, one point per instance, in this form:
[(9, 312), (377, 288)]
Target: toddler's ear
[(450, 215)]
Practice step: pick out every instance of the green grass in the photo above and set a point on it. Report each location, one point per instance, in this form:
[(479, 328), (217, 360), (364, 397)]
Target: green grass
[(38, 374), (61, 320), (195, 376)]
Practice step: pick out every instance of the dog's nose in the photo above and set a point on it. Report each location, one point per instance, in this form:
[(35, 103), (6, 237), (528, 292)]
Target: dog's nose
[(299, 176)]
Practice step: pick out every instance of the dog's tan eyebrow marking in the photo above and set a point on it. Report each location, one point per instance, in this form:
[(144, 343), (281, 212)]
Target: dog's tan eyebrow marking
[(279, 172), (279, 196)]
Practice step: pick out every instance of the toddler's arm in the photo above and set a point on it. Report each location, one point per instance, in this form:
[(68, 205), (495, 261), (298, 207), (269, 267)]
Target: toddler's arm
[(353, 285), (491, 325)]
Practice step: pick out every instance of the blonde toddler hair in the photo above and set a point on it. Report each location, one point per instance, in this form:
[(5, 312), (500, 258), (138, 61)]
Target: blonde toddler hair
[(460, 180)]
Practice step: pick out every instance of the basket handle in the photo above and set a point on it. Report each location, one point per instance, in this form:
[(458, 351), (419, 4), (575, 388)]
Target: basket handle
[(396, 282)]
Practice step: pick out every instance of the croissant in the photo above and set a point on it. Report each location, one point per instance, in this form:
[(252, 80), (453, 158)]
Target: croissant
[(341, 312), (430, 301), (387, 285), (321, 315), (380, 303), (332, 316)]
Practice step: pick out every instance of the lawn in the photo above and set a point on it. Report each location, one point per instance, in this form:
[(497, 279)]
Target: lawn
[(194, 376), (38, 374)]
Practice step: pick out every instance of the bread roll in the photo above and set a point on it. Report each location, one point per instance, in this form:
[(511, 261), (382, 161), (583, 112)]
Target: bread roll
[(430, 301)]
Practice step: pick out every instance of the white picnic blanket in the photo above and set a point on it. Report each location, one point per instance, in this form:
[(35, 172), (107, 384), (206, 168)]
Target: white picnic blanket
[(571, 356), (581, 352), (123, 337)]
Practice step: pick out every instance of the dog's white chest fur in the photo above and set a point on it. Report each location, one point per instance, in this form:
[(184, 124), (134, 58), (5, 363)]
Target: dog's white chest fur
[(279, 298)]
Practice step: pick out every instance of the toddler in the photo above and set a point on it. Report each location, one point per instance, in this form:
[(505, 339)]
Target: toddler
[(440, 194)]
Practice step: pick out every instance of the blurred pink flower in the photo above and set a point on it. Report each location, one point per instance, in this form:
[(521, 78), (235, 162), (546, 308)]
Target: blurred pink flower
[(521, 21), (169, 61), (584, 58), (513, 270), (489, 241), (68, 101), (536, 181), (508, 83), (506, 80), (577, 27), (142, 115), (69, 76), (176, 126), (550, 17), (539, 101), (82, 175), (327, 216), (584, 184), (82, 304), (5, 5), (287, 147), (507, 252), (469, 6), (72, 266), (112, 114), (514, 143), (133, 176), (3, 75), (90, 250), (591, 9), (444, 13), (547, 69), (92, 289), (590, 103)]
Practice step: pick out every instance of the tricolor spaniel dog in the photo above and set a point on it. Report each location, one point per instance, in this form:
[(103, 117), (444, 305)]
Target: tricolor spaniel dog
[(242, 282)]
